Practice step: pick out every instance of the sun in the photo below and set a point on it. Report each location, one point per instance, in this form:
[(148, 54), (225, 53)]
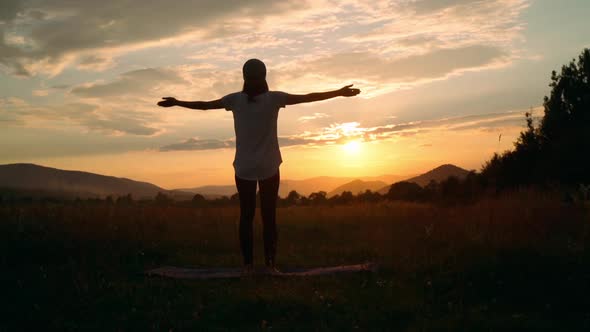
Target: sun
[(352, 147)]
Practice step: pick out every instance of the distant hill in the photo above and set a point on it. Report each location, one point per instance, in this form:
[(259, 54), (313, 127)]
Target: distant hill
[(212, 192), (303, 187), (437, 174), (31, 178), (308, 186), (388, 178), (440, 173), (40, 180), (331, 183), (358, 186)]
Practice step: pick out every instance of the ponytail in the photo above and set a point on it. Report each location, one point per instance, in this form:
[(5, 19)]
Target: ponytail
[(254, 88)]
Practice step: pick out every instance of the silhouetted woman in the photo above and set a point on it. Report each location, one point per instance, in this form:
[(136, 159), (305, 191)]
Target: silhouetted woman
[(257, 160)]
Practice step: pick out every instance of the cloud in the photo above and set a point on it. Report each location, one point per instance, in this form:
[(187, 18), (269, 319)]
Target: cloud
[(89, 116), (309, 45), (444, 18), (444, 24), (195, 144), (111, 122), (314, 116), (429, 6), (9, 9), (378, 74), (40, 92), (134, 82), (55, 34), (438, 63), (95, 62), (341, 133), (58, 32), (120, 124), (11, 111), (198, 144)]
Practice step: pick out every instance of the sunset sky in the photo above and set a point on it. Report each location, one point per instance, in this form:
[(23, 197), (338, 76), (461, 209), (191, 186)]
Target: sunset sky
[(440, 81)]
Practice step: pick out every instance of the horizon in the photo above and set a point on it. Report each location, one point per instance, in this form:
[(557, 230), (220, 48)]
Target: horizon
[(361, 178), (79, 83)]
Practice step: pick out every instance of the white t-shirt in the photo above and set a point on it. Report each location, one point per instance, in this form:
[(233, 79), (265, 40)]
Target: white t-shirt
[(255, 123)]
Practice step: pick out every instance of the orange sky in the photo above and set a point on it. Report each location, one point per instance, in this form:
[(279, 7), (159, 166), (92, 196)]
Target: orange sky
[(440, 81), (405, 156)]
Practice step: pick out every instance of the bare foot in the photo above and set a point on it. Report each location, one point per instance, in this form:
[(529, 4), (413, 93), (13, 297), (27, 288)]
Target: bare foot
[(272, 270), (248, 270)]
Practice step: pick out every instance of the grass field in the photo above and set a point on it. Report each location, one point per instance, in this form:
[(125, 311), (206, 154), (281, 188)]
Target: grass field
[(518, 262)]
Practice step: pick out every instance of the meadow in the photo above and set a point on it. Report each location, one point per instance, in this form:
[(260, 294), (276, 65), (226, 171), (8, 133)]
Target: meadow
[(517, 261)]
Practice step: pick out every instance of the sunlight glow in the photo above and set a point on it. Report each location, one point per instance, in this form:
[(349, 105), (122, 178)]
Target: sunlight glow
[(352, 147)]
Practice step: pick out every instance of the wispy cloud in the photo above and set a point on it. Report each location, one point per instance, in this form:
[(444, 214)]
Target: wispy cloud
[(451, 23), (59, 33), (314, 116), (309, 44), (134, 82), (199, 144), (87, 116), (48, 36), (341, 133), (380, 74), (12, 111)]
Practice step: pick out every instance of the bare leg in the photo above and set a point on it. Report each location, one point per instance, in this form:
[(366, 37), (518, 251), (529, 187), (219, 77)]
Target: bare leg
[(269, 189), (247, 194)]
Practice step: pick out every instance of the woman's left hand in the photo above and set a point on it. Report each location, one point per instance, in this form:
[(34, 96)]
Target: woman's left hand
[(348, 92)]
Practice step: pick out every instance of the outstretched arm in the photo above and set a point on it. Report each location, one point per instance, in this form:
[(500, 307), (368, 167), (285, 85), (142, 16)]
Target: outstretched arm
[(317, 96), (196, 105)]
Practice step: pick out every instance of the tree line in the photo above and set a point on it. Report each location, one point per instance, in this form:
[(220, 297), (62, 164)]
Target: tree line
[(450, 190), (556, 151)]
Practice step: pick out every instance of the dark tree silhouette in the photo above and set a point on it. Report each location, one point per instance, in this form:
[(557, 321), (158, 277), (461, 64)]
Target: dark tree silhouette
[(346, 197), (557, 150), (198, 199), (318, 197), (125, 200), (368, 196), (406, 191), (432, 190), (293, 197), (565, 129), (162, 199)]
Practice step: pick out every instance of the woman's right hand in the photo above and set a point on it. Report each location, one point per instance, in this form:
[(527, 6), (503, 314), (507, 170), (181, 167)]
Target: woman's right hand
[(168, 102), (348, 92)]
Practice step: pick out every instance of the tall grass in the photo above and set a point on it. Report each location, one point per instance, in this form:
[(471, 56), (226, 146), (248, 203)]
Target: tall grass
[(518, 261)]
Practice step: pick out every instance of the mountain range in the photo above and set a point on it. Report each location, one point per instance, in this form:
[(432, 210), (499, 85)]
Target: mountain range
[(65, 183), (358, 186), (330, 184), (439, 174)]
